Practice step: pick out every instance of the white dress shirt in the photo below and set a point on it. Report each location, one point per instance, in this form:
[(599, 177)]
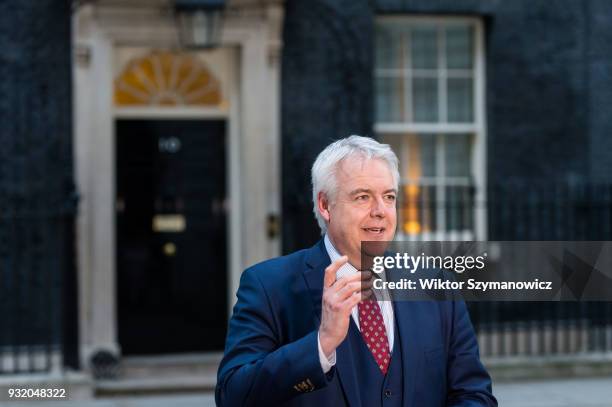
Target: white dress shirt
[(386, 307)]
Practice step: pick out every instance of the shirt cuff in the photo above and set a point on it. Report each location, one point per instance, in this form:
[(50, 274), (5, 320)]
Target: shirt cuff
[(326, 364)]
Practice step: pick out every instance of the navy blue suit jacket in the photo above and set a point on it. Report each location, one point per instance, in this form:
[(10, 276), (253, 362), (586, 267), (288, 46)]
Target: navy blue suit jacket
[(271, 353)]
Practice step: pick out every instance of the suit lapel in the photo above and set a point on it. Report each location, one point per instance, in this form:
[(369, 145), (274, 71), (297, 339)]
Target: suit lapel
[(317, 260)]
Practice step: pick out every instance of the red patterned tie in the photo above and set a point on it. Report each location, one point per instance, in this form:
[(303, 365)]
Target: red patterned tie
[(372, 326)]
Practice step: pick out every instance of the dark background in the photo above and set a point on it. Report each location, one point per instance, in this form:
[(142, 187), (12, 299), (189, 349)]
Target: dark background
[(548, 91)]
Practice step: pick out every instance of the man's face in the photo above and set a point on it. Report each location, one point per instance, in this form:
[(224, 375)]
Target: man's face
[(363, 208)]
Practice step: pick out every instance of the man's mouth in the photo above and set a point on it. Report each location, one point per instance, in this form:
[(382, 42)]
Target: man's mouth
[(377, 231)]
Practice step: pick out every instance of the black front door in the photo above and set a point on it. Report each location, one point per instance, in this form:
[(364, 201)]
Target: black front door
[(171, 235)]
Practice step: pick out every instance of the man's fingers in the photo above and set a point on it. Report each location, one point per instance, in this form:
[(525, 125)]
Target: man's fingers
[(358, 285), (348, 290), (332, 269), (363, 276), (366, 275), (340, 283), (352, 300), (366, 294), (352, 287), (329, 278), (355, 298)]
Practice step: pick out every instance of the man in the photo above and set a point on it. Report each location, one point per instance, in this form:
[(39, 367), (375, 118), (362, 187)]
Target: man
[(306, 330)]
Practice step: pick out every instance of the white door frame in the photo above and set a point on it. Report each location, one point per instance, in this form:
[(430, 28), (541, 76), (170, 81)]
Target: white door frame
[(253, 184)]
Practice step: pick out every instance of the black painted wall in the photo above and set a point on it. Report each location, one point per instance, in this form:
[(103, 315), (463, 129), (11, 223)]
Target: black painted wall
[(548, 89), (35, 107), (326, 95), (36, 175), (599, 53)]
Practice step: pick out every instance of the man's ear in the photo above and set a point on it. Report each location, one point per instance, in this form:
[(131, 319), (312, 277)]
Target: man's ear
[(323, 206)]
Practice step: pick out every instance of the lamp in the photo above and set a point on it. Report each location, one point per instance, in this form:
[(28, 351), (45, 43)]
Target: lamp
[(199, 22)]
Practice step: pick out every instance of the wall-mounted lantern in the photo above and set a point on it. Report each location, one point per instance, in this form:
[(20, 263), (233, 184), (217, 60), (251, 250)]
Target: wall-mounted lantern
[(199, 22)]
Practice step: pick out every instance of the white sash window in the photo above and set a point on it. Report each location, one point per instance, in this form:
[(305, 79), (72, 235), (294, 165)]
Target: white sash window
[(429, 86)]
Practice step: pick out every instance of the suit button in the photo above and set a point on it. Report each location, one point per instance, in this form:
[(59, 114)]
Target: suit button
[(388, 393)]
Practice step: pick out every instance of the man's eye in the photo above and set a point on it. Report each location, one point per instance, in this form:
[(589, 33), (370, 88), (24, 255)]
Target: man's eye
[(361, 197), (391, 197)]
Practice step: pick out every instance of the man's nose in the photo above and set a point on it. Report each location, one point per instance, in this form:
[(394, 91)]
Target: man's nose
[(378, 208)]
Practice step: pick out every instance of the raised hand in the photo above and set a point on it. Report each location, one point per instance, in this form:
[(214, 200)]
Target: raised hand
[(339, 298)]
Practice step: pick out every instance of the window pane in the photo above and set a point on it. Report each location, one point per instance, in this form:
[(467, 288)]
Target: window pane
[(459, 208), (459, 48), (389, 99), (395, 142), (460, 100), (416, 154), (425, 99), (457, 151), (418, 157), (417, 208), (418, 161), (427, 154), (428, 211), (424, 48), (388, 46)]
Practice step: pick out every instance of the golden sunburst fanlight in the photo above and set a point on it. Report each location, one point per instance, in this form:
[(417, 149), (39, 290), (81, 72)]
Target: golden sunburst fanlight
[(167, 79)]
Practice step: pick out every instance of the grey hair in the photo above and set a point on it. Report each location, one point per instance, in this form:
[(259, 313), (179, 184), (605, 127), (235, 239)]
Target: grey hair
[(324, 169)]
